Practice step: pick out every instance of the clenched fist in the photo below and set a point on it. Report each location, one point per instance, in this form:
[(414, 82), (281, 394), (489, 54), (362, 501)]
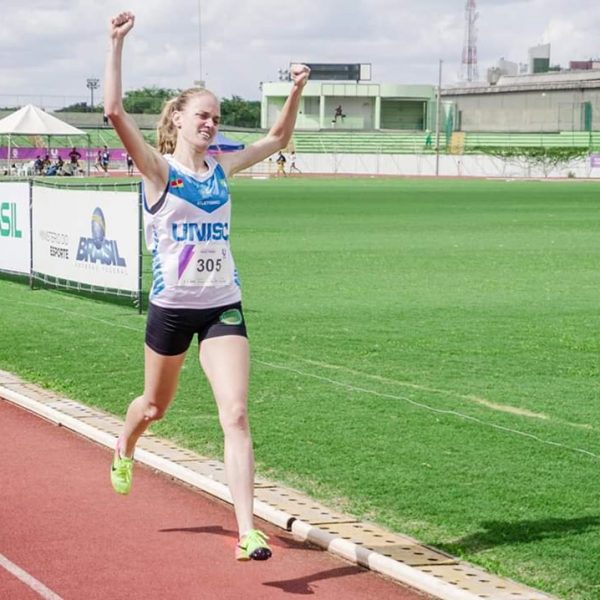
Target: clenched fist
[(121, 25), (299, 75)]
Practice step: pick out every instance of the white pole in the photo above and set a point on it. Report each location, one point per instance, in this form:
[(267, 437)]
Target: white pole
[(200, 81), (437, 121)]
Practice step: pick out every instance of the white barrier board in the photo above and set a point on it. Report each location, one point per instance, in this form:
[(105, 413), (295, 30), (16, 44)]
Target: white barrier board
[(15, 247), (86, 236)]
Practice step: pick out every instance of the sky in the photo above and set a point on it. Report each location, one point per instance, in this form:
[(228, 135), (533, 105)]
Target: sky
[(49, 48)]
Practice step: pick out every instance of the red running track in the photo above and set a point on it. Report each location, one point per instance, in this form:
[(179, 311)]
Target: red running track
[(61, 523)]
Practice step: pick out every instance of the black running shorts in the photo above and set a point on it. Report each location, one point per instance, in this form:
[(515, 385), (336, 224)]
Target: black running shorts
[(169, 331)]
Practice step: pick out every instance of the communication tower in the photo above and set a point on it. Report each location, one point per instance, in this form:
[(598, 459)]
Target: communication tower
[(469, 71)]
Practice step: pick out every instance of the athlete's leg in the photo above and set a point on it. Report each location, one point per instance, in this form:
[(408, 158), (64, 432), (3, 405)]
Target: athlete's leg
[(226, 362), (161, 374)]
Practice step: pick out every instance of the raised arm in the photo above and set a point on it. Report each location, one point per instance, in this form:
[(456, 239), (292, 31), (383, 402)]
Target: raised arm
[(150, 163), (280, 133)]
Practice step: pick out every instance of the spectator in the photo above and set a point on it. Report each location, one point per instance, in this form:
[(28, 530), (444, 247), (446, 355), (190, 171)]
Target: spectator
[(104, 160), (54, 168), (280, 160), (98, 163), (74, 158), (129, 165), (51, 170), (105, 120), (428, 141), (293, 166), (338, 113), (38, 165)]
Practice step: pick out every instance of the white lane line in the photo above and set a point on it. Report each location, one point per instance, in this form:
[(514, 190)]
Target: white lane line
[(86, 317), (454, 413), (520, 412), (29, 580)]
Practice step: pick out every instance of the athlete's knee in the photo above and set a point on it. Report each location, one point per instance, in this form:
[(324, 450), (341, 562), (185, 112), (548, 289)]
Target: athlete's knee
[(234, 417)]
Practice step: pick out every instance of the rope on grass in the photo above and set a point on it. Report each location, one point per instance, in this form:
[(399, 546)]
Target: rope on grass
[(454, 413)]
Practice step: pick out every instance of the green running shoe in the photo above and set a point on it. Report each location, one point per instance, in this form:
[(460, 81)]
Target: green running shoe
[(121, 472), (253, 546)]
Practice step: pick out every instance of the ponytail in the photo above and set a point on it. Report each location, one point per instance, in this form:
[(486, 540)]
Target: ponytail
[(166, 132)]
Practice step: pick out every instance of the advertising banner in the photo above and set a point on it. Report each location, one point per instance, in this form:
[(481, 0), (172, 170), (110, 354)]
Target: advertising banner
[(15, 247), (19, 154), (594, 160), (89, 237)]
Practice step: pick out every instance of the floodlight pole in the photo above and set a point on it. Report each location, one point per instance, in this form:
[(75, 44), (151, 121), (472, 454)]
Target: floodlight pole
[(92, 84), (200, 81), (438, 109)]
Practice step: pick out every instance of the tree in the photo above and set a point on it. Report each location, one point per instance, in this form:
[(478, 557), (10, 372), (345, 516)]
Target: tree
[(80, 107), (148, 100), (240, 113)]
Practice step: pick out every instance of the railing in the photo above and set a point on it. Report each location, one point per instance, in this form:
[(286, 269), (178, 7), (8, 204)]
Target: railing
[(351, 142)]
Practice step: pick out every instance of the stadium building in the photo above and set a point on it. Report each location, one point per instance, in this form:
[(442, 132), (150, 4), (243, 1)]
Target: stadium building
[(364, 106), (563, 101)]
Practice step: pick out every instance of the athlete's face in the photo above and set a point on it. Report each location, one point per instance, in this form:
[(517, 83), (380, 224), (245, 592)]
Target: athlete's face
[(198, 122)]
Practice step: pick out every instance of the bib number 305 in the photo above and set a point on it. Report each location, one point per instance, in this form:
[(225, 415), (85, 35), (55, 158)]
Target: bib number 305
[(209, 266)]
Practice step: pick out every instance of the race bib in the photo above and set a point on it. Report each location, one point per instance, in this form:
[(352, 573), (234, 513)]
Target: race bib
[(205, 265)]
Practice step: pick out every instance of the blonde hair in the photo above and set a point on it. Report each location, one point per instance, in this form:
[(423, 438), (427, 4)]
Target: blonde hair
[(166, 132)]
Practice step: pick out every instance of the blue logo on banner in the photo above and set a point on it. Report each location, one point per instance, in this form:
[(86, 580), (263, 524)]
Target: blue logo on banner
[(98, 249), (98, 227)]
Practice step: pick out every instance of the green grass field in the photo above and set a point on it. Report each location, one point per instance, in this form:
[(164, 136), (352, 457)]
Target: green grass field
[(425, 355)]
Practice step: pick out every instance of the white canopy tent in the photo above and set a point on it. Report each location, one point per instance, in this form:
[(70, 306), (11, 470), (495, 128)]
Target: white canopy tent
[(31, 120)]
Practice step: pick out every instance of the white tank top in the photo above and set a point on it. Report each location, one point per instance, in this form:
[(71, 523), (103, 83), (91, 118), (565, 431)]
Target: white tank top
[(188, 236)]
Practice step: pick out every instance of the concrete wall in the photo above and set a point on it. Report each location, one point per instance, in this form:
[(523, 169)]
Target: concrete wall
[(526, 111), (424, 165)]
